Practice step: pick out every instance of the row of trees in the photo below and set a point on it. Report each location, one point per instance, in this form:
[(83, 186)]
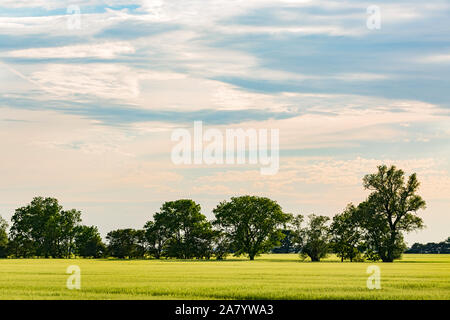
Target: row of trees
[(44, 229), (430, 247), (246, 225)]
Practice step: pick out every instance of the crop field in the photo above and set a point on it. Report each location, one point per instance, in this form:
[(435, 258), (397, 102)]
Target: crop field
[(275, 276)]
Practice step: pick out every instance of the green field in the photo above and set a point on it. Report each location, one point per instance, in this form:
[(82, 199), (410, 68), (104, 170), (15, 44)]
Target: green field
[(281, 276)]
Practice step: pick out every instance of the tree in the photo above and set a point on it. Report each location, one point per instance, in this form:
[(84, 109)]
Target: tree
[(43, 228), (123, 243), (390, 210), (180, 230), (251, 223), (376, 233), (222, 245), (156, 236), (3, 238), (287, 245), (292, 232), (315, 238), (431, 247), (141, 247), (88, 242), (346, 234), (66, 231)]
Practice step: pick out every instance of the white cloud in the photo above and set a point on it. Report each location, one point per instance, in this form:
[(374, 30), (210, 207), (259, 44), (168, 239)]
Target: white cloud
[(109, 81), (436, 58), (343, 175), (107, 50)]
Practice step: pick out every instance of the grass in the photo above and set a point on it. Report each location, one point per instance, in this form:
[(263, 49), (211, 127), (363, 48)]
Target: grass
[(280, 276)]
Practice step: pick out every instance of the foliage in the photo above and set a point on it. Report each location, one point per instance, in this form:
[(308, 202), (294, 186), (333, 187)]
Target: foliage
[(88, 242), (43, 228), (292, 239), (180, 230), (245, 225), (125, 243), (222, 245), (315, 238), (156, 236), (346, 234), (3, 238), (389, 211), (251, 223), (430, 247)]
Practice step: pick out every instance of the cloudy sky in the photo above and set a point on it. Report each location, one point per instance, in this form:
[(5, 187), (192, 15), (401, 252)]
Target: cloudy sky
[(87, 106)]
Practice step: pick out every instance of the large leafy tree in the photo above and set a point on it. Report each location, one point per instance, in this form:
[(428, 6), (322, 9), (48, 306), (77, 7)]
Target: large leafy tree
[(390, 210), (377, 234), (180, 230), (156, 236), (346, 234), (3, 238), (252, 224), (125, 243), (315, 238), (43, 228), (88, 242)]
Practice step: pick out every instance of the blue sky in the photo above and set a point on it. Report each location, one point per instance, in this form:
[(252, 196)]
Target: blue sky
[(87, 113)]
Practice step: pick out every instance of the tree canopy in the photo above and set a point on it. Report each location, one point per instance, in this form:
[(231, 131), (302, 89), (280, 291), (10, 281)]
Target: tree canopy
[(253, 224), (315, 238), (180, 230), (244, 225), (43, 228), (3, 238), (346, 234), (390, 210), (88, 242)]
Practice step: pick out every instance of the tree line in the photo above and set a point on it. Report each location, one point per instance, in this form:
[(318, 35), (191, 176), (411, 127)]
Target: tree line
[(244, 225), (430, 247)]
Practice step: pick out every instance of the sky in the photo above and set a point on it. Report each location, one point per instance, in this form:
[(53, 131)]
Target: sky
[(91, 92)]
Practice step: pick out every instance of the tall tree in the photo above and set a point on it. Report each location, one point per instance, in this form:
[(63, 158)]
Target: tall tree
[(43, 228), (390, 210), (253, 224), (346, 234), (156, 236), (180, 230), (67, 225), (315, 238), (123, 243), (88, 242), (3, 238)]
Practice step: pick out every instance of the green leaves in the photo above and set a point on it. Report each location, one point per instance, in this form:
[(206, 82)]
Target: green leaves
[(315, 238), (346, 234), (43, 228), (88, 242), (3, 238), (180, 230), (390, 210), (252, 224)]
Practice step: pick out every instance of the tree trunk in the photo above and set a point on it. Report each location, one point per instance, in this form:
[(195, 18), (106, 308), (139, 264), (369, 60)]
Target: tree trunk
[(390, 251)]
